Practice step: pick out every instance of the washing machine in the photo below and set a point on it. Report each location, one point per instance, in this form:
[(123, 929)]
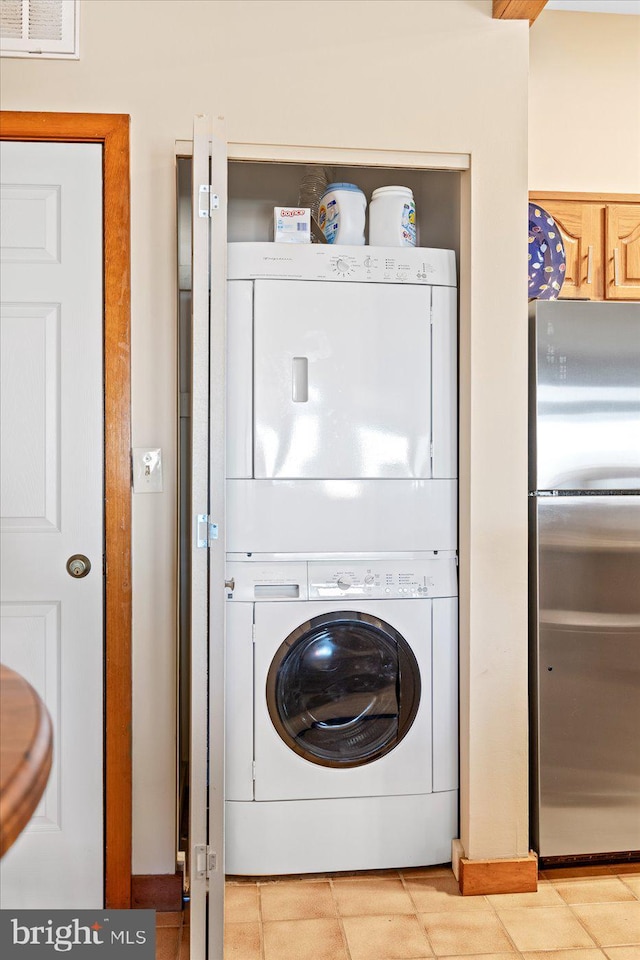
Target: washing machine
[(342, 713)]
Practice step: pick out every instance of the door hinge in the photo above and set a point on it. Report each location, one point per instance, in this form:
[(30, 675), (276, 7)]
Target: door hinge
[(206, 530), (253, 632), (253, 771), (205, 861), (208, 201)]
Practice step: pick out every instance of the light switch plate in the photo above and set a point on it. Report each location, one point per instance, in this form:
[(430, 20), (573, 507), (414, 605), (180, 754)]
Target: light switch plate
[(147, 469)]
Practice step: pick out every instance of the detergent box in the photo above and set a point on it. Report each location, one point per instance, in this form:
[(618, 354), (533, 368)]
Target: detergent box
[(292, 224)]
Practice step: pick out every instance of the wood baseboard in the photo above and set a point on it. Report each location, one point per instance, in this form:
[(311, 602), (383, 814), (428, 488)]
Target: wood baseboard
[(161, 892), (509, 875)]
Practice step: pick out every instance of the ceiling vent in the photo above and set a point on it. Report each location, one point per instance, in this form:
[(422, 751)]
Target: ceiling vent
[(39, 28)]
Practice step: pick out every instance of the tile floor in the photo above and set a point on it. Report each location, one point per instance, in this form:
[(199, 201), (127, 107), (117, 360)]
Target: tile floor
[(577, 914)]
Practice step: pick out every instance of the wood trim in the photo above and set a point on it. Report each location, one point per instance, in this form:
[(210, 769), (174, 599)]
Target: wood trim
[(509, 875), (585, 197), (518, 9), (161, 892), (112, 130)]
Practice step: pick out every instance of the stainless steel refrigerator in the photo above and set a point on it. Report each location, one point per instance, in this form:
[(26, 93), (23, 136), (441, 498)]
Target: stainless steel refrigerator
[(584, 500)]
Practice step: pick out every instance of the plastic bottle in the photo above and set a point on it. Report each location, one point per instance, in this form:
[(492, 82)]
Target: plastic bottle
[(312, 185), (392, 217), (341, 214)]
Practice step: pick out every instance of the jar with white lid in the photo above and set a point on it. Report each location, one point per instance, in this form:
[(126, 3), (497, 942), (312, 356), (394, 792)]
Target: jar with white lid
[(392, 217), (341, 214)]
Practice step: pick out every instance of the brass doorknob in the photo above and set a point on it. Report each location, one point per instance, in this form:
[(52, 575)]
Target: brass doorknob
[(78, 566)]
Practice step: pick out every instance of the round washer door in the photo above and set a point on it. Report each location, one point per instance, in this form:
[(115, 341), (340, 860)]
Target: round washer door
[(343, 689)]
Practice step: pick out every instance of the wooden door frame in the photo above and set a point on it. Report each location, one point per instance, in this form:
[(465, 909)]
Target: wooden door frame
[(112, 131)]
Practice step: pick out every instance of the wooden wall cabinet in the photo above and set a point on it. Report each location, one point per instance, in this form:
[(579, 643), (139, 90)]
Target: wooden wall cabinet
[(601, 235)]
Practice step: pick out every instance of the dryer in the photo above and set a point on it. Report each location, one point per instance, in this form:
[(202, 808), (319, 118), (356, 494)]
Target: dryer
[(341, 399), (341, 720)]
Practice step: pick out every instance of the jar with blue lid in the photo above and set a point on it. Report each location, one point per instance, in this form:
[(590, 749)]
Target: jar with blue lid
[(342, 213)]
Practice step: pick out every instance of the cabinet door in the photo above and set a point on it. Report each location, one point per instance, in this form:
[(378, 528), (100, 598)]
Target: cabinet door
[(581, 227), (622, 251)]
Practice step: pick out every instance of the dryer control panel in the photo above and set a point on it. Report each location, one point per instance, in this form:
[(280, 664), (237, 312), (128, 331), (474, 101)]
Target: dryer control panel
[(340, 263)]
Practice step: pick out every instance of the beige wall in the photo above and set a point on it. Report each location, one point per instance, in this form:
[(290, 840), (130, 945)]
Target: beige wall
[(584, 103), (398, 75)]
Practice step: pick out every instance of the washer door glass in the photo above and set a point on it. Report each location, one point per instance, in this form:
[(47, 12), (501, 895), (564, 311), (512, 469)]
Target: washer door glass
[(343, 689)]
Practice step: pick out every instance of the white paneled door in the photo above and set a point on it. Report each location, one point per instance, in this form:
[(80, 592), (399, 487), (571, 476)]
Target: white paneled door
[(52, 502)]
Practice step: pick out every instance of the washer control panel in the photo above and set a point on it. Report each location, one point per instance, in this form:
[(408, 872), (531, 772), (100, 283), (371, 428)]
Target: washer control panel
[(386, 580), (256, 579)]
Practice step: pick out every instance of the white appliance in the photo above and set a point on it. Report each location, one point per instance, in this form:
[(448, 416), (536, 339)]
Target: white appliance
[(341, 503), (341, 718), (341, 399)]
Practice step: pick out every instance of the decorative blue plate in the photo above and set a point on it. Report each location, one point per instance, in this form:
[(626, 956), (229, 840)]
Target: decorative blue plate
[(546, 255)]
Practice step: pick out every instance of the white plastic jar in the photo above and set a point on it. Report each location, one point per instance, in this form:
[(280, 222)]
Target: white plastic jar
[(341, 214), (392, 217)]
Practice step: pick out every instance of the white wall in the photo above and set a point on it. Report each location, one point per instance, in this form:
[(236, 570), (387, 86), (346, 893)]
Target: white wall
[(584, 103), (397, 75)]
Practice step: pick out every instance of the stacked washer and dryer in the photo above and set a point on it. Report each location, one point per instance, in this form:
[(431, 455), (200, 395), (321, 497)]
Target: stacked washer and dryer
[(342, 637)]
